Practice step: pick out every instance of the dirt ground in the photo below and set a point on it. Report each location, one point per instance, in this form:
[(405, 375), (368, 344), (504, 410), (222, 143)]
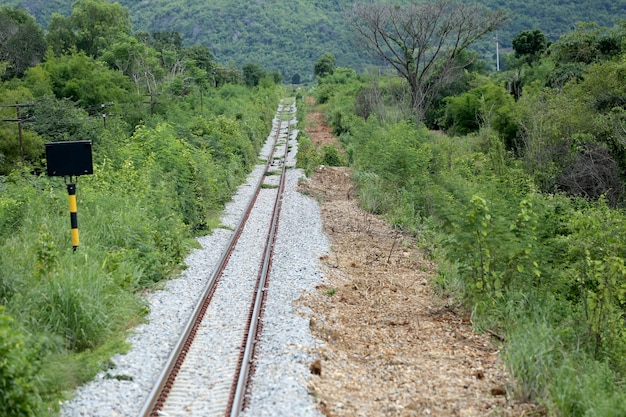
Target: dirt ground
[(391, 347)]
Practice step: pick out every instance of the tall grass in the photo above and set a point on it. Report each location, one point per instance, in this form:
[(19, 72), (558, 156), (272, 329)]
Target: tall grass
[(151, 193), (545, 271), (568, 381)]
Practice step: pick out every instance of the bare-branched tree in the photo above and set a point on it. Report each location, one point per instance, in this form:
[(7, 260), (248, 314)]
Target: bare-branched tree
[(423, 41)]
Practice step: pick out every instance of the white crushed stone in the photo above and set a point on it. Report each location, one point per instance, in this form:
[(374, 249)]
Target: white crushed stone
[(283, 358)]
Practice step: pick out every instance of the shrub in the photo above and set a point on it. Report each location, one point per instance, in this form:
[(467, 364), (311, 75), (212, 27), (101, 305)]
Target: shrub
[(18, 372), (308, 158), (331, 157)]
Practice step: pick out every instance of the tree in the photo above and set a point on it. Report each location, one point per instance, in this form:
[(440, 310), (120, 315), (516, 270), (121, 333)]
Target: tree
[(60, 37), (19, 146), (252, 74), (579, 45), (98, 23), (60, 120), (22, 43), (202, 57), (325, 65), (92, 27), (277, 77), (487, 105), (170, 47), (137, 60), (422, 41), (87, 81), (530, 44)]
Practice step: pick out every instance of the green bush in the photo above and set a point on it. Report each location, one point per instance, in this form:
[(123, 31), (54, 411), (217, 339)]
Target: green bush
[(18, 372), (372, 197), (331, 157), (10, 214), (308, 158)]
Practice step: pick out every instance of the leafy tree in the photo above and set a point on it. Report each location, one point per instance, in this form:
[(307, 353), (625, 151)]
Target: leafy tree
[(610, 45), (530, 44), (229, 74), (167, 40), (170, 46), (11, 153), (98, 23), (38, 82), (486, 105), (201, 56), (276, 76), (60, 35), (422, 41), (462, 83), (22, 43), (325, 65), (19, 146), (267, 81), (578, 46), (564, 73), (252, 74), (86, 81), (60, 120), (138, 61), (92, 26)]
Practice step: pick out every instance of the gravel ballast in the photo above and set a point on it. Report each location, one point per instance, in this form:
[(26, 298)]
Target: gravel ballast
[(283, 356)]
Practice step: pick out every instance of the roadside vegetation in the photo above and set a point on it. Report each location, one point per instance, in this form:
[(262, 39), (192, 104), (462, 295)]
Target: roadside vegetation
[(513, 182), (172, 139)]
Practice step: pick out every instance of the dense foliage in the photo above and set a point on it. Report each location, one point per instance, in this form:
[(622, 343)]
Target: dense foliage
[(520, 199), (289, 36), (171, 142)]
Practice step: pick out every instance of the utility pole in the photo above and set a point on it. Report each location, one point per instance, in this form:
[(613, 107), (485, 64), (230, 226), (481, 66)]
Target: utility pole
[(497, 53), (152, 102), (103, 112), (19, 122)]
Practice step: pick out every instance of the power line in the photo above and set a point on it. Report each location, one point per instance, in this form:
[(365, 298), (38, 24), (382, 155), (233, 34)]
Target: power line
[(102, 107)]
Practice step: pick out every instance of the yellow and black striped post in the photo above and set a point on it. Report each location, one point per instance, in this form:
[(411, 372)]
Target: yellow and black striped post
[(71, 191)]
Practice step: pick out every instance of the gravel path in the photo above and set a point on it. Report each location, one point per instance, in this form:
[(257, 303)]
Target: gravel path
[(279, 383)]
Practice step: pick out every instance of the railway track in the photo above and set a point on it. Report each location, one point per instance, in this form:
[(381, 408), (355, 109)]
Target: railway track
[(208, 371)]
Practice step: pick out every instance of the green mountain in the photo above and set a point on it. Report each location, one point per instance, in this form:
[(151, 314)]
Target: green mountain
[(290, 35)]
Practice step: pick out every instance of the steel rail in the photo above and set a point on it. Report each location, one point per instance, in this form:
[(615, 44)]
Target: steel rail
[(242, 374), (160, 390)]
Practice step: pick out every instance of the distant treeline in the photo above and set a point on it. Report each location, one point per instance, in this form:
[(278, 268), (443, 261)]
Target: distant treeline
[(289, 36)]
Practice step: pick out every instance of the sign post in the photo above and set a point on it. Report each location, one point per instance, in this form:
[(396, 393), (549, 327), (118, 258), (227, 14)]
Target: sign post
[(68, 160)]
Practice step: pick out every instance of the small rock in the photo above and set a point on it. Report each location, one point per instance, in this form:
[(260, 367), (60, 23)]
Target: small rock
[(316, 367)]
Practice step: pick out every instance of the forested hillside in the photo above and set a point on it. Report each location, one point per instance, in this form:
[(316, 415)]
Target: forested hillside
[(290, 36)]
